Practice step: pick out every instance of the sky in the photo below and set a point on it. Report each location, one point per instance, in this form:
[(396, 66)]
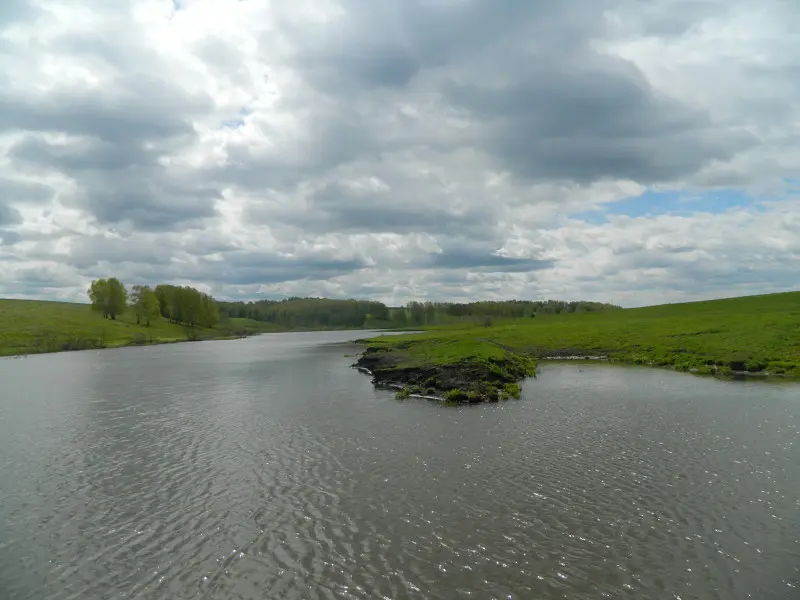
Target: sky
[(627, 151)]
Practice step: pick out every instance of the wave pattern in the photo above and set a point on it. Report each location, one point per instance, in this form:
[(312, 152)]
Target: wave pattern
[(264, 468)]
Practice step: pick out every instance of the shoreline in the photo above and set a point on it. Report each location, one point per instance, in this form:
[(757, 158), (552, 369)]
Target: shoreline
[(131, 344), (474, 380)]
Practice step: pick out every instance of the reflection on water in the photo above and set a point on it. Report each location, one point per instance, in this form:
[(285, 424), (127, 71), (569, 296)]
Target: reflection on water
[(265, 468)]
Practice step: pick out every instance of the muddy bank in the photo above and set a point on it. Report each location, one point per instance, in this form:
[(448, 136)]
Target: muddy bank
[(471, 380)]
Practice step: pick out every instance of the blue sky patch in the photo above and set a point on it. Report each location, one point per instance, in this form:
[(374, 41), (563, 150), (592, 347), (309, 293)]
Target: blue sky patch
[(679, 203)]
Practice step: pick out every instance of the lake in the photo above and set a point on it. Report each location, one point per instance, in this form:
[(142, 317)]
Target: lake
[(266, 468)]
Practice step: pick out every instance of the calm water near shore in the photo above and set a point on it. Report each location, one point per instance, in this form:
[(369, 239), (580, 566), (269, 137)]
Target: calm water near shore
[(266, 468)]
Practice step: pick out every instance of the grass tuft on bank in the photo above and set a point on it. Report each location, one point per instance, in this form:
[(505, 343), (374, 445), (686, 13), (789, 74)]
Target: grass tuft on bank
[(33, 326), (756, 335)]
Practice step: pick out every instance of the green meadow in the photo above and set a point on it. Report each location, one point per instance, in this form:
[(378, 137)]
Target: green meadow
[(32, 326), (755, 334)]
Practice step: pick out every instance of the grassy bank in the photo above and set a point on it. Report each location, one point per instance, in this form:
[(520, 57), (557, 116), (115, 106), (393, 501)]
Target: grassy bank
[(756, 335), (31, 327)]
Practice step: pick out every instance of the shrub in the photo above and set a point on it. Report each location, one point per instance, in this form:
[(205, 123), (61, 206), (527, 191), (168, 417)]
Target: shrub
[(511, 390), (754, 365), (456, 395)]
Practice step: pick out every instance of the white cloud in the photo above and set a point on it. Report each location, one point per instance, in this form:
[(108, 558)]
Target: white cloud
[(398, 150)]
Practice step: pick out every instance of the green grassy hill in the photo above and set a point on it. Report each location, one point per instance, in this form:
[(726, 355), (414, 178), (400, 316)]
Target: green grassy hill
[(32, 326), (756, 334)]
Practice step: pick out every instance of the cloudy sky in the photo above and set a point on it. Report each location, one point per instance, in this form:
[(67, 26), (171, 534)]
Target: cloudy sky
[(635, 151)]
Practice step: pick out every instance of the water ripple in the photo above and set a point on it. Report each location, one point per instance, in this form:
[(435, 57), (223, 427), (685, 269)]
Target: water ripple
[(267, 469)]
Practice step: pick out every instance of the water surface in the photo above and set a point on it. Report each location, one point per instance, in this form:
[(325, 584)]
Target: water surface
[(266, 468)]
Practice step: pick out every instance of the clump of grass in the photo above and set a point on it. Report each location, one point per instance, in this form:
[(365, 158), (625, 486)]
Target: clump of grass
[(457, 396), (511, 390)]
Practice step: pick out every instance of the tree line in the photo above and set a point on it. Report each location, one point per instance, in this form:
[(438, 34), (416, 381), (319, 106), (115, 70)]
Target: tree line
[(178, 304), (183, 304), (189, 306), (419, 313), (433, 313), (309, 313), (326, 313)]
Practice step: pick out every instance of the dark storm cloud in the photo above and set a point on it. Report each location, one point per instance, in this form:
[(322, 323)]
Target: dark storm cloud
[(591, 117), (15, 10), (386, 44), (331, 137), (9, 215), (152, 205), (133, 108), (470, 257), (89, 251), (24, 192), (246, 268), (336, 208), (79, 156), (120, 133), (122, 183), (544, 102), (9, 238)]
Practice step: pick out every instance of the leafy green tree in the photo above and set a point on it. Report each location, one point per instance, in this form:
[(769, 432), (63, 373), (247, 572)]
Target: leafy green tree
[(399, 317), (162, 293), (416, 312), (108, 296), (117, 298), (209, 311), (98, 294), (150, 307), (145, 304), (186, 305), (135, 300)]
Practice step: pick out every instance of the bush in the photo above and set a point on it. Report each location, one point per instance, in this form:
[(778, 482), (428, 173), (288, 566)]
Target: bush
[(456, 395), (403, 394), (511, 390)]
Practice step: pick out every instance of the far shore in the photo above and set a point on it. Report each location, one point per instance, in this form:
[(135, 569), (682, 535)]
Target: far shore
[(736, 338)]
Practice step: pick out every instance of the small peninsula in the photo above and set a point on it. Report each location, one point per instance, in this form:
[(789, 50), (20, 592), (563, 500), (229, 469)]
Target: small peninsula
[(755, 336)]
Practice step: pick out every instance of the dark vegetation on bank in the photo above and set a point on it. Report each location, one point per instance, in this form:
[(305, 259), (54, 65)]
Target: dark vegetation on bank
[(467, 379), (753, 336)]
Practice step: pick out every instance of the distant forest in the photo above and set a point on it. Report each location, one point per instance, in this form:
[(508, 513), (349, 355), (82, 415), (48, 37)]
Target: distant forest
[(188, 306), (309, 313)]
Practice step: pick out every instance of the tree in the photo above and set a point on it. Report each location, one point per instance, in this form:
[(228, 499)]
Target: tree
[(150, 306), (98, 294), (108, 297), (117, 298), (416, 312), (163, 294), (399, 317), (209, 312), (135, 300), (145, 304)]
